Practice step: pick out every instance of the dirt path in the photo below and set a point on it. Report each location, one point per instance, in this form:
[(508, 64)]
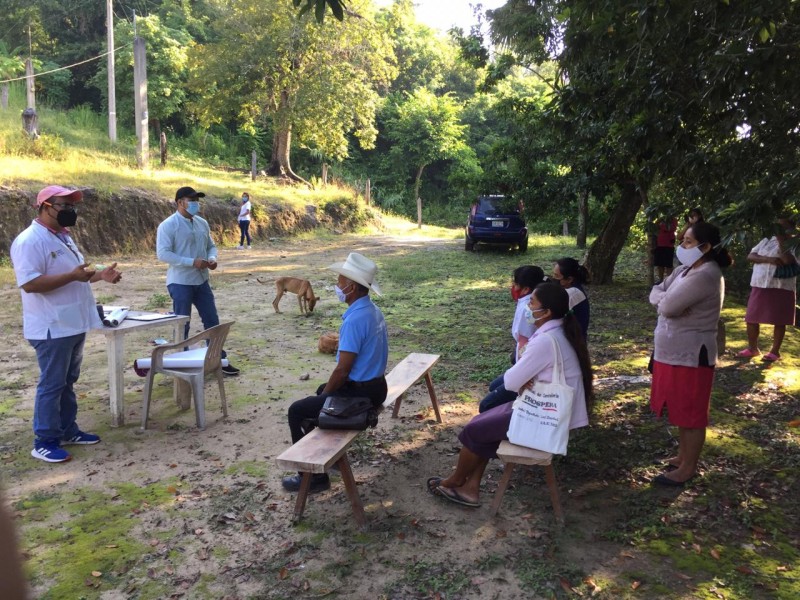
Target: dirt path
[(203, 514)]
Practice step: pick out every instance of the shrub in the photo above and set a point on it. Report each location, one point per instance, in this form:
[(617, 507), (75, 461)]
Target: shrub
[(48, 147), (346, 211)]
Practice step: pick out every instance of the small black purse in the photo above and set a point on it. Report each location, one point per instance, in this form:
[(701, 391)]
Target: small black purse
[(342, 412)]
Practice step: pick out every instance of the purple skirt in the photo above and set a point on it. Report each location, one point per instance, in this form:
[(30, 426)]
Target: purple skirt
[(483, 434), (770, 306)]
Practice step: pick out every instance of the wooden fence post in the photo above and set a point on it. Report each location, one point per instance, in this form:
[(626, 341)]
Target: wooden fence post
[(253, 165), (163, 143), (324, 174), (368, 193)]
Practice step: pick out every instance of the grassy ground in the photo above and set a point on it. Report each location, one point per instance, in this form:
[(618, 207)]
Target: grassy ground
[(732, 533)]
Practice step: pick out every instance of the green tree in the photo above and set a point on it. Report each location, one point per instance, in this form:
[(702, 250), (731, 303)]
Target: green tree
[(424, 128), (306, 81), (10, 67), (167, 68), (655, 92)]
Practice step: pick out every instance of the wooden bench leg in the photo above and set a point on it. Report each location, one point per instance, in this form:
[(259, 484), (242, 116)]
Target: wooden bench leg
[(501, 489), (432, 394), (352, 490), (552, 485), (302, 496), (396, 409)]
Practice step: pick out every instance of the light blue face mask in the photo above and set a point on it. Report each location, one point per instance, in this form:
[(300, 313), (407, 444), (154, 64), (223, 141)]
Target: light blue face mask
[(529, 318), (193, 207), (340, 293)]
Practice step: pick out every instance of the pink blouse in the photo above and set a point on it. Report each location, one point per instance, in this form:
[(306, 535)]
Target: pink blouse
[(537, 363)]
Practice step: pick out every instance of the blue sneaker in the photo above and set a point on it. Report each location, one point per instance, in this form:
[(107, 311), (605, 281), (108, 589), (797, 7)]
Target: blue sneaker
[(50, 451), (82, 438)]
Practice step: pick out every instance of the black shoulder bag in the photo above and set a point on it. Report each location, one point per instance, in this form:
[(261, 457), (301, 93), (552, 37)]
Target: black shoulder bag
[(341, 412)]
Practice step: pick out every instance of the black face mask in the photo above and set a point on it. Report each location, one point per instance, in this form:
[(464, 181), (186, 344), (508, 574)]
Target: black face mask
[(67, 217)]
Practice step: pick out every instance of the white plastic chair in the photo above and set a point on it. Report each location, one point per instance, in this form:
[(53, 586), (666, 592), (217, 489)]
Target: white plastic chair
[(195, 376)]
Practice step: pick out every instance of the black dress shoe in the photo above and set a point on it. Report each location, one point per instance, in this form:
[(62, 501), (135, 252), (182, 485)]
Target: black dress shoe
[(319, 483)]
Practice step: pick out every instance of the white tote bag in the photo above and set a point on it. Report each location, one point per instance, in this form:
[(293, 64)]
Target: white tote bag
[(541, 416)]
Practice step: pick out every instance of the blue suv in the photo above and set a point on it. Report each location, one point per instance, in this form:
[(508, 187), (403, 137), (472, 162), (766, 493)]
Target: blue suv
[(496, 220)]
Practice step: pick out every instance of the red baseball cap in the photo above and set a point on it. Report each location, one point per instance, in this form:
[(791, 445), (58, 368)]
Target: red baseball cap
[(58, 191)]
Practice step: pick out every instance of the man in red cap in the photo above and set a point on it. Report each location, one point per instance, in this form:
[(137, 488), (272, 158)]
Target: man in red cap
[(58, 308)]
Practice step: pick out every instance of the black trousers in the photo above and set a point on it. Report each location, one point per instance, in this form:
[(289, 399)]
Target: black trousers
[(303, 413)]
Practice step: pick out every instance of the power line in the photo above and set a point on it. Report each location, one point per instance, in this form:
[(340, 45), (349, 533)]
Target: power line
[(67, 67)]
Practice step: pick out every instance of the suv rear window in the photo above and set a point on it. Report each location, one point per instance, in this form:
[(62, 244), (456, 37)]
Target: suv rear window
[(497, 205)]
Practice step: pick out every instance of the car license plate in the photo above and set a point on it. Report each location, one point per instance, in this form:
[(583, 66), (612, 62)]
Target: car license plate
[(497, 223)]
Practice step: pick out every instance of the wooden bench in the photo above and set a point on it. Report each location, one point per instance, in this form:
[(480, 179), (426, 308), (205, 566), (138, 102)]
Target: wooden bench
[(319, 450), (513, 455), (405, 374)]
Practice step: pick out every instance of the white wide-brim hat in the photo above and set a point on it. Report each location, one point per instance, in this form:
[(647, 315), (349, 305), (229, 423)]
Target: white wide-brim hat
[(360, 269)]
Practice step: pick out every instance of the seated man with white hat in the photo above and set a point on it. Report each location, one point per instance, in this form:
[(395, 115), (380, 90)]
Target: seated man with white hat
[(361, 359)]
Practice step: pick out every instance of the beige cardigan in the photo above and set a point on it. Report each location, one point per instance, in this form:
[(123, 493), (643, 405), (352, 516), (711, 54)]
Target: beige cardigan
[(688, 303)]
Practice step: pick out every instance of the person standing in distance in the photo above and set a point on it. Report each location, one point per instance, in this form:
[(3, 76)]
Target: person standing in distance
[(58, 308), (361, 359), (183, 241), (244, 220)]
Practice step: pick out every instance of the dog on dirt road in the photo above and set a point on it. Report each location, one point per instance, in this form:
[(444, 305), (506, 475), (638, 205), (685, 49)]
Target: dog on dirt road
[(302, 287)]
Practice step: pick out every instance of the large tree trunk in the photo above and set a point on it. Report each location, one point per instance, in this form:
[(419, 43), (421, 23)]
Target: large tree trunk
[(603, 254), (416, 195), (583, 219), (280, 165)]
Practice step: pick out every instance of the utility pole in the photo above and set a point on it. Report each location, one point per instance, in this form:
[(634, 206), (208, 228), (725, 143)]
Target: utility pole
[(30, 90), (112, 89), (140, 100)]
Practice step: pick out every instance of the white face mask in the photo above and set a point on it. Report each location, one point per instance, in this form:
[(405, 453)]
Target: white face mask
[(689, 256), (529, 315), (340, 293)]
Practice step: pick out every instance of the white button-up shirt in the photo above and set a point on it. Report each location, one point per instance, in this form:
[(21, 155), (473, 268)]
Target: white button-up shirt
[(65, 311)]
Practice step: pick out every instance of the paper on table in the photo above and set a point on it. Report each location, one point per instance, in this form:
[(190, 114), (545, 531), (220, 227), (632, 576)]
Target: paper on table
[(179, 360), (115, 318), (149, 316)]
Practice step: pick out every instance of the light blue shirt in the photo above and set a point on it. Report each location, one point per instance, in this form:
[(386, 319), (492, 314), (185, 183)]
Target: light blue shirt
[(179, 242), (363, 332)]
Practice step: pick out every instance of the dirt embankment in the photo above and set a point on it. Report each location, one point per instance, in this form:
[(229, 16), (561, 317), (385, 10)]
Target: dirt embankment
[(126, 222)]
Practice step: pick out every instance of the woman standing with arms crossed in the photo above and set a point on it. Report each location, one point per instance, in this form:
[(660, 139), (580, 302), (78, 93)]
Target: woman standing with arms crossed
[(688, 303)]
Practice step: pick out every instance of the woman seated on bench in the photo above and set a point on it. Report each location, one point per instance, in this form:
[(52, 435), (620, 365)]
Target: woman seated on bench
[(481, 437)]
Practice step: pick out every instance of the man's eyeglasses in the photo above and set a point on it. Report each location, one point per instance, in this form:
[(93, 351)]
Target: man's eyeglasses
[(61, 206)]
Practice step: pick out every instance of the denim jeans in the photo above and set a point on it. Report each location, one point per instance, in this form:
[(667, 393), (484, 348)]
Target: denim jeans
[(498, 394), (244, 227), (56, 406), (201, 296)]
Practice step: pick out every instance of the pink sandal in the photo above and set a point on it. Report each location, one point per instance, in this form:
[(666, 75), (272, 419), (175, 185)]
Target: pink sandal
[(747, 353), (770, 357)]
